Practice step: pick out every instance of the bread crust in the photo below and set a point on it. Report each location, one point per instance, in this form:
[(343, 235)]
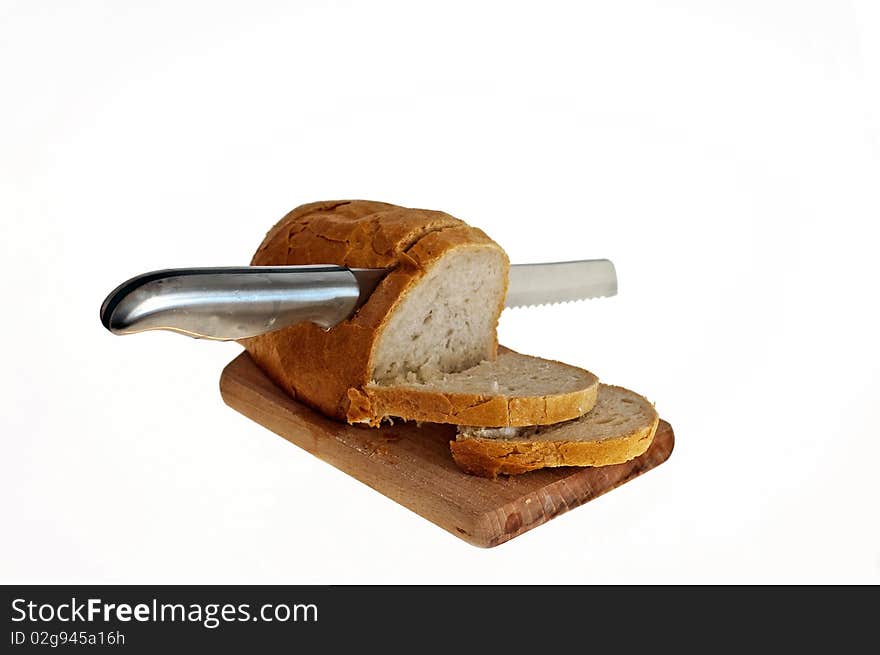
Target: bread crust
[(487, 457), (328, 369)]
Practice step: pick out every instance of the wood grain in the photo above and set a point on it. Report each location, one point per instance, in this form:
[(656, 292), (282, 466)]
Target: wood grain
[(413, 466)]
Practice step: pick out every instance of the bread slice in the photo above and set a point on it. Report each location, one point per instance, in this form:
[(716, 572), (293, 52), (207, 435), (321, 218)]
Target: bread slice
[(437, 308), (512, 390), (620, 427)]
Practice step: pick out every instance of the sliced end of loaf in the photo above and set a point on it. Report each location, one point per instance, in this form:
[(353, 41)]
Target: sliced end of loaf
[(619, 428), (447, 321)]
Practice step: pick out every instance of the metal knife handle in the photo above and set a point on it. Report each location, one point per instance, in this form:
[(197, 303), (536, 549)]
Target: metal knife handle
[(233, 303)]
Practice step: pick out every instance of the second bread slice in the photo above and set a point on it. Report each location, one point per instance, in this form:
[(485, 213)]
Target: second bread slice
[(512, 390), (620, 427)]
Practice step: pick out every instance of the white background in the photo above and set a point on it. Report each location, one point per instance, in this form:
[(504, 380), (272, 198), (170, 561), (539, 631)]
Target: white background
[(723, 154)]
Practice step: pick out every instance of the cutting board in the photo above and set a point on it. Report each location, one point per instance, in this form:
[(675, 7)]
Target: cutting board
[(413, 466)]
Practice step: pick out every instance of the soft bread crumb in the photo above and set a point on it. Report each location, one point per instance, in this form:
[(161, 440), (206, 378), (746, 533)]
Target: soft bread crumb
[(446, 323)]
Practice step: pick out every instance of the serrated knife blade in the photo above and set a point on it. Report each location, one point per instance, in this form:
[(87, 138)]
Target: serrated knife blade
[(544, 284)]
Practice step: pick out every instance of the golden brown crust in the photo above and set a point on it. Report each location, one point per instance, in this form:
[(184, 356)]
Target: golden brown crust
[(489, 457), (355, 233), (329, 369)]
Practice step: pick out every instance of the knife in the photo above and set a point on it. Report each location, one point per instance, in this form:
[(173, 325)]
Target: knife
[(227, 303)]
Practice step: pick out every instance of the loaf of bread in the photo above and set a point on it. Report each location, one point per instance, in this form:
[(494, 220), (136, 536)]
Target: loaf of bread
[(423, 346)]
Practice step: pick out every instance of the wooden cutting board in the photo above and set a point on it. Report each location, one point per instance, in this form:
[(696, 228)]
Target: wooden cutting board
[(413, 466)]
